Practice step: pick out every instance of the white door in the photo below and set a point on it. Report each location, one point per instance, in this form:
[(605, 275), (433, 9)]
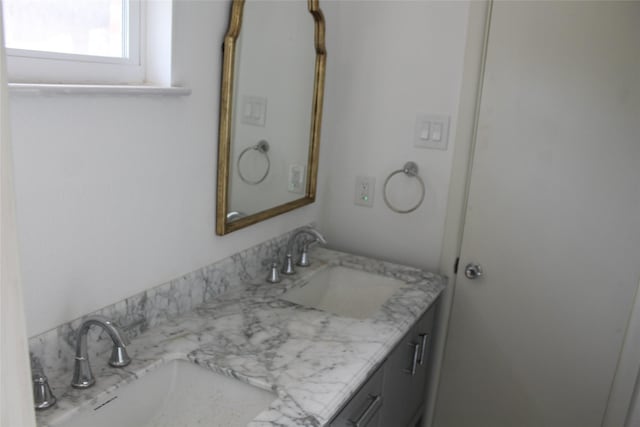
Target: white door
[(553, 219)]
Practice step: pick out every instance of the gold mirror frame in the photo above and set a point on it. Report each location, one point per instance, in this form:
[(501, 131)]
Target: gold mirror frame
[(224, 135)]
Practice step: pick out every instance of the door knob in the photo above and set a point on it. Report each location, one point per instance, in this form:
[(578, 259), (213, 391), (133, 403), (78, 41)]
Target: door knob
[(473, 271)]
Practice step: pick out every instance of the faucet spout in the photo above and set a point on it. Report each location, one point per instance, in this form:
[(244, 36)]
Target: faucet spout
[(82, 375), (287, 268), (318, 237)]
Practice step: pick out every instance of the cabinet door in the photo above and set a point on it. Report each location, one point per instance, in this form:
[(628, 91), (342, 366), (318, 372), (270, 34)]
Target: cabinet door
[(397, 389), (363, 410), (405, 375), (423, 335)]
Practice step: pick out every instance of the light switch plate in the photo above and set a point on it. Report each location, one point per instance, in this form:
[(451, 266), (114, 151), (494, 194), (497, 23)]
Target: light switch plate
[(254, 110), (431, 131)]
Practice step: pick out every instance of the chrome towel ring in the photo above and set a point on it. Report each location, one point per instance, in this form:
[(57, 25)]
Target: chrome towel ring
[(411, 170), (262, 147)]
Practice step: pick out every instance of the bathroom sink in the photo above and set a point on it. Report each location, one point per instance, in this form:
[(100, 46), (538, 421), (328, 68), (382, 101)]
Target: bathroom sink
[(178, 393), (345, 291)]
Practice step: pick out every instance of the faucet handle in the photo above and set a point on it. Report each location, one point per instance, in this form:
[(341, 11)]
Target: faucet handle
[(119, 357), (43, 398), (274, 274)]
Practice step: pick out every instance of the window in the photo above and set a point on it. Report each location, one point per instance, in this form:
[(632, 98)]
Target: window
[(74, 41)]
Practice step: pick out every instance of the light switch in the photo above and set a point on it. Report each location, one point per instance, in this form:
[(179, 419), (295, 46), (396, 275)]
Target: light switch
[(424, 134), (246, 109), (431, 131), (256, 111), (436, 133)]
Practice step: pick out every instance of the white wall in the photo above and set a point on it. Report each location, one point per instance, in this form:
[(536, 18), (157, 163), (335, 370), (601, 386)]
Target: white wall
[(388, 61), (116, 194)]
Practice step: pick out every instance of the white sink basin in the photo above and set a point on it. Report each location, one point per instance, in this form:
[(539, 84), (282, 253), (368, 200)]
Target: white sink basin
[(345, 291), (178, 393)]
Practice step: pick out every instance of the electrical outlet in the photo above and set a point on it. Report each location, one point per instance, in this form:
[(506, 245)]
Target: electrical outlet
[(365, 188), (296, 179)]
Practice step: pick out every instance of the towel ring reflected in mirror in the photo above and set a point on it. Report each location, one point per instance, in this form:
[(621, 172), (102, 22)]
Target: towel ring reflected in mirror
[(410, 169), (261, 147)]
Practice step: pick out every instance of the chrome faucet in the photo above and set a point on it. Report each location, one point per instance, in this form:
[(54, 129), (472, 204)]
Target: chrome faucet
[(287, 268), (82, 375)]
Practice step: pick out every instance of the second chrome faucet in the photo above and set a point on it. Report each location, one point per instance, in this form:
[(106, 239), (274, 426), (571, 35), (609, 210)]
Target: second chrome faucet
[(303, 261)]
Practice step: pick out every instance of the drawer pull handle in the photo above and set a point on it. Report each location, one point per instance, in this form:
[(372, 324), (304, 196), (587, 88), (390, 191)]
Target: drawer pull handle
[(367, 414), (414, 360), (423, 346)]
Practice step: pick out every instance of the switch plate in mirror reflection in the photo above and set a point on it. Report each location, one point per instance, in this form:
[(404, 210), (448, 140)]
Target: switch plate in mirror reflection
[(274, 51)]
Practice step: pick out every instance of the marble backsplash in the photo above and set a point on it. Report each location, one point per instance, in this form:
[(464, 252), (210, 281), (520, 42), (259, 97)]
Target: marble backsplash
[(54, 350)]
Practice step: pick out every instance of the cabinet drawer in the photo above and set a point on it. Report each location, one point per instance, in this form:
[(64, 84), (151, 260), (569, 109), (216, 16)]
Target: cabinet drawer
[(363, 408)]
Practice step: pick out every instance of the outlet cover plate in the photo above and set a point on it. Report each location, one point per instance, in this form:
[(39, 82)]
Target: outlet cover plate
[(364, 191), (296, 179)]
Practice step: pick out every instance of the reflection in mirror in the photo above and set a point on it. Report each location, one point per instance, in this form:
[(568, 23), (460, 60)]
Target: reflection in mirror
[(271, 104), (273, 86)]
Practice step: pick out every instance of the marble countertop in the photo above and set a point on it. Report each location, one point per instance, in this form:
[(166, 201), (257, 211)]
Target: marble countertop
[(313, 360)]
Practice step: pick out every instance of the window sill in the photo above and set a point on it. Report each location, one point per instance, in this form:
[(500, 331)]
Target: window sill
[(93, 89)]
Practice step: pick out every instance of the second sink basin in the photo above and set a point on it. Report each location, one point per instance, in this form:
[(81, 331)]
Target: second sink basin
[(345, 291), (178, 393)]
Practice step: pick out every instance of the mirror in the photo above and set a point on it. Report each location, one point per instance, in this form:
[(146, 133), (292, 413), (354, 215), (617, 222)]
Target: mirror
[(270, 110)]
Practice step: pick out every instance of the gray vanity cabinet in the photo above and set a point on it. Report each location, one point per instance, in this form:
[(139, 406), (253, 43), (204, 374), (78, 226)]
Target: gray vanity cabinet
[(394, 396), (406, 371)]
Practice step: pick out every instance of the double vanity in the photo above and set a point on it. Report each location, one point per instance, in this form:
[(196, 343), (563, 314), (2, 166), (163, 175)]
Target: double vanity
[(344, 341)]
